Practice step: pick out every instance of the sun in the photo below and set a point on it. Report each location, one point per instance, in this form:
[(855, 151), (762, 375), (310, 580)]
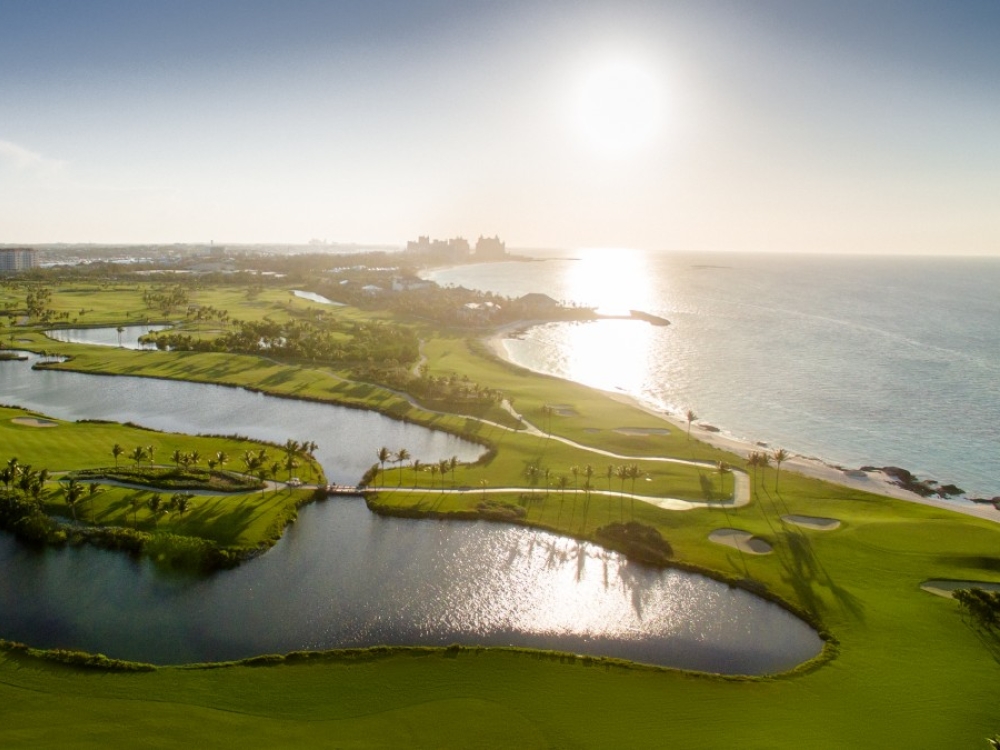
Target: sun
[(618, 108)]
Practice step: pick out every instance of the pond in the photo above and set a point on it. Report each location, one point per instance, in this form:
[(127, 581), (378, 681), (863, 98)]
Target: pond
[(127, 338), (344, 577), (313, 297), (348, 439)]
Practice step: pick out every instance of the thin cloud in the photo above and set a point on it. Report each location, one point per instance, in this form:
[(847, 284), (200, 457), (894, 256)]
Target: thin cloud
[(26, 160)]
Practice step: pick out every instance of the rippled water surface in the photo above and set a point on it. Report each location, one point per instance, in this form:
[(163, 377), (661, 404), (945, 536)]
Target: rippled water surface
[(857, 360), (343, 577)]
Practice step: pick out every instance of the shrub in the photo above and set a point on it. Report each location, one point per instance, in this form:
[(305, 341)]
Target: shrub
[(637, 541)]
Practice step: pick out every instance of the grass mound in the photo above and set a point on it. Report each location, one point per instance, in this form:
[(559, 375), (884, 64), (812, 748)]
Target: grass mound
[(636, 540)]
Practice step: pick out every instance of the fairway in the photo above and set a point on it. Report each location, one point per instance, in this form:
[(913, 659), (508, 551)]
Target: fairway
[(851, 563)]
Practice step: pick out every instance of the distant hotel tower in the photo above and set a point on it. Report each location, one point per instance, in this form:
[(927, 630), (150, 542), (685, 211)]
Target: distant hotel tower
[(16, 258), (486, 248)]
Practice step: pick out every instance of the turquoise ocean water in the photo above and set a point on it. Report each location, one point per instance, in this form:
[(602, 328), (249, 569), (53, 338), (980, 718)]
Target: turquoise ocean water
[(851, 359)]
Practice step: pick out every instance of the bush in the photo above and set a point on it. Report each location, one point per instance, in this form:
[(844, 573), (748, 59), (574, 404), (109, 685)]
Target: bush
[(983, 606), (637, 541)]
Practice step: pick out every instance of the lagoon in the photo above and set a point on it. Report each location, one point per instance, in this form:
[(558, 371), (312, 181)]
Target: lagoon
[(343, 577)]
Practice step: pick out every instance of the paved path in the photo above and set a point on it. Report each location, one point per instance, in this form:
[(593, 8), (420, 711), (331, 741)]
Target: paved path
[(741, 480)]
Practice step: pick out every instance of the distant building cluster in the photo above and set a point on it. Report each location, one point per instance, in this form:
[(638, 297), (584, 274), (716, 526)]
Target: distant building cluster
[(487, 248), (16, 259)]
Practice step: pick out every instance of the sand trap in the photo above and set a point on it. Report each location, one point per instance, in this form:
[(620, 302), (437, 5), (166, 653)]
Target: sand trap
[(940, 587), (563, 410), (34, 422), (813, 522), (641, 431), (741, 540)]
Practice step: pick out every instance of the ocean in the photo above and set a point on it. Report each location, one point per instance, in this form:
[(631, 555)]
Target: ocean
[(854, 360)]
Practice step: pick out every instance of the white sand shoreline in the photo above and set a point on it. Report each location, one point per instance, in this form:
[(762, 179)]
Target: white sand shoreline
[(875, 482)]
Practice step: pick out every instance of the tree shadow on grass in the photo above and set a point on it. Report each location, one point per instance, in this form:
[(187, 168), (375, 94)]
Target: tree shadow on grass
[(989, 638), (804, 571)]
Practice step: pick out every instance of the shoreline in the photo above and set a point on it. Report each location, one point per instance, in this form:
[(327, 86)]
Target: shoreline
[(875, 482)]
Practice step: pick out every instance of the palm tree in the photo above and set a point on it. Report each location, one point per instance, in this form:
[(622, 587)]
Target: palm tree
[(383, 454), (779, 456), (116, 451), (195, 457), (610, 475), (74, 491), (723, 470), (154, 504), (452, 465), (291, 448), (121, 330), (763, 461), (443, 465), (177, 457), (434, 472), (150, 450), (691, 416), (575, 471), (622, 473), (634, 472), (417, 468), (180, 501), (401, 455), (138, 453), (221, 459), (290, 463)]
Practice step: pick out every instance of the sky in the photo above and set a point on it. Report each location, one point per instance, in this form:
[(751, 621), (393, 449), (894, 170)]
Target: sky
[(707, 125)]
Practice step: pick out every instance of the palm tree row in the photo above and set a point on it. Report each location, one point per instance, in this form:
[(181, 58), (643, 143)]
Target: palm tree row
[(384, 456), (22, 477), (761, 460)]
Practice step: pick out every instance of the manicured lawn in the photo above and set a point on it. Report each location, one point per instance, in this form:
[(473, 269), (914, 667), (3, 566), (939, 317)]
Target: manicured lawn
[(907, 670), (232, 520)]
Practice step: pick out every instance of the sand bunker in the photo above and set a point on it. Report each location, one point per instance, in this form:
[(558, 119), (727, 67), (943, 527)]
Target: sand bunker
[(563, 410), (940, 587), (815, 523), (642, 431), (34, 422), (741, 540)]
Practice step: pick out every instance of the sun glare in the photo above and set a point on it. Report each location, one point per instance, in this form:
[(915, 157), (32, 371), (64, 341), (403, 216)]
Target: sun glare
[(618, 109)]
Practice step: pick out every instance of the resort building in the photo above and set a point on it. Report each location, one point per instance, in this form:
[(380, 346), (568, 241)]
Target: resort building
[(457, 247), (490, 248), (16, 259)]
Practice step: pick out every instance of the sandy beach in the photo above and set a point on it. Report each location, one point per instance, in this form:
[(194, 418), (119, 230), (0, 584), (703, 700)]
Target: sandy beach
[(874, 481)]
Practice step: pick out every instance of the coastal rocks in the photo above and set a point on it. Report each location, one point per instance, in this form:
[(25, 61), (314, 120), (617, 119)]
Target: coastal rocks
[(908, 481)]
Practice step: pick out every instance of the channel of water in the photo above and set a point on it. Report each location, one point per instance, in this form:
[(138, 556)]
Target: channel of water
[(344, 577)]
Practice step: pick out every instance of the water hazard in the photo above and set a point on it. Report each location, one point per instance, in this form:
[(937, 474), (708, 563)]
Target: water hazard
[(343, 577)]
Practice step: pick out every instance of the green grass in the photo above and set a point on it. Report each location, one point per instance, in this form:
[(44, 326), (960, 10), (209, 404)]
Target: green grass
[(243, 520), (907, 671)]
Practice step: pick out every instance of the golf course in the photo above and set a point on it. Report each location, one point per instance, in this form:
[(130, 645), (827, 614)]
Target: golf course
[(898, 666)]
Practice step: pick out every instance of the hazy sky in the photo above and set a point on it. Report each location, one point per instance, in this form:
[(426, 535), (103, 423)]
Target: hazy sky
[(788, 126)]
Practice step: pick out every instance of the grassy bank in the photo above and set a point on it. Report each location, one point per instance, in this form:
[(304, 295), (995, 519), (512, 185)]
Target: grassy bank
[(220, 527)]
